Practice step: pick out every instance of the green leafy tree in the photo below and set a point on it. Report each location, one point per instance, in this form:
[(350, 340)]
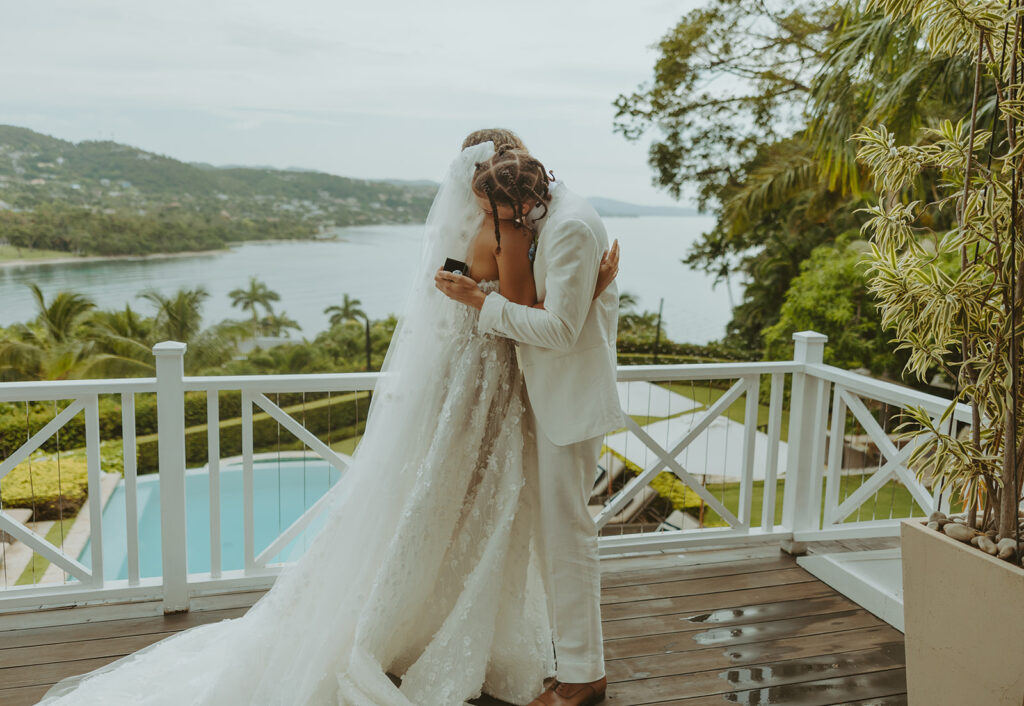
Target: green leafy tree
[(278, 324), (831, 296), (969, 323), (752, 105)]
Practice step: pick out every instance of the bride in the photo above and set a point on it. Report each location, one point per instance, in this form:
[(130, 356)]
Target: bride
[(422, 566)]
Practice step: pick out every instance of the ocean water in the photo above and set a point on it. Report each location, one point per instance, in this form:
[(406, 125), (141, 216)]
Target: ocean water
[(373, 264)]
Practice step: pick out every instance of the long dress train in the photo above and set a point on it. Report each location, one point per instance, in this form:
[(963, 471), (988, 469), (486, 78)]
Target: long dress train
[(423, 565)]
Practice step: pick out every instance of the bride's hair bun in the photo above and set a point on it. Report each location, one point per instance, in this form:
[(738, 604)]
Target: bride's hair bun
[(498, 135)]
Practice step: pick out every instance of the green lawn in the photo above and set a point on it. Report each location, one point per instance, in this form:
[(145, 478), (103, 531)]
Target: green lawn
[(707, 395), (892, 500), (9, 252), (37, 566), (347, 446)]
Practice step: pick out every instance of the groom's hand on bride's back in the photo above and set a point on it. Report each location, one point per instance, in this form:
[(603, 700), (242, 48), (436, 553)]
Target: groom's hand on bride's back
[(460, 288)]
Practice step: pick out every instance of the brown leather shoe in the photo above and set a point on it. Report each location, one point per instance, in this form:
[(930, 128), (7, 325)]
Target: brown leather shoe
[(561, 694)]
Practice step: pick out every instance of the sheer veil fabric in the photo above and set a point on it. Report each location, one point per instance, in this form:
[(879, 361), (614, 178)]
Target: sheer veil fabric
[(423, 564)]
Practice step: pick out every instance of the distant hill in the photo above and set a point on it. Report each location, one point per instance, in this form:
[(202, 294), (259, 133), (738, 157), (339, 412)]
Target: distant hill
[(102, 197), (613, 208), (37, 169)]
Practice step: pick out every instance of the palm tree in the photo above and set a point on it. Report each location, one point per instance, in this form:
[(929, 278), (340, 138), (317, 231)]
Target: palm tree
[(278, 323), (178, 317), (60, 344), (348, 311), (256, 296), (627, 302), (64, 315), (125, 336)]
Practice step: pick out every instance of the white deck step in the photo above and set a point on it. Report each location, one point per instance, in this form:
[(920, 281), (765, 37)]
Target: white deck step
[(873, 579)]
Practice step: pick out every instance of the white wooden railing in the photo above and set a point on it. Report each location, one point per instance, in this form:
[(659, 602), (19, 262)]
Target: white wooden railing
[(817, 502)]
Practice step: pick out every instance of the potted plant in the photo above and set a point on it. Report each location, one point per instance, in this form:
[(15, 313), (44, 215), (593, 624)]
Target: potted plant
[(949, 277)]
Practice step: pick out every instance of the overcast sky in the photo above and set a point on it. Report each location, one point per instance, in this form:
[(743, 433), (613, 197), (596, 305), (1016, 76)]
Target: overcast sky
[(370, 89)]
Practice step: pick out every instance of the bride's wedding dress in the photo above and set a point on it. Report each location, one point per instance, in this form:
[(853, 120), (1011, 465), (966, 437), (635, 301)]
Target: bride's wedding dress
[(422, 566)]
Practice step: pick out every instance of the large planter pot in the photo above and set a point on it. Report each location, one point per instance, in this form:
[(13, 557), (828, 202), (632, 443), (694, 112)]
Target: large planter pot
[(963, 613)]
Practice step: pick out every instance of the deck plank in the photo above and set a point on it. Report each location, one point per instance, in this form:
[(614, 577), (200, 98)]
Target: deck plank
[(739, 635), (613, 579), (22, 695), (693, 622), (785, 676), (701, 586), (886, 685), (27, 637), (688, 629), (714, 601), (676, 663)]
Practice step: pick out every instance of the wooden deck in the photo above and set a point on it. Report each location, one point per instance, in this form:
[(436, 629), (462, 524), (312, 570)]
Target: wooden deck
[(743, 626)]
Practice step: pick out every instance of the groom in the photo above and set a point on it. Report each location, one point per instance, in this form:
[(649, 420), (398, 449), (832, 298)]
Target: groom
[(567, 352)]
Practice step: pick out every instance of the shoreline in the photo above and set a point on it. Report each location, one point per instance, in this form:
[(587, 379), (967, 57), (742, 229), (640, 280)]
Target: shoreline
[(72, 259)]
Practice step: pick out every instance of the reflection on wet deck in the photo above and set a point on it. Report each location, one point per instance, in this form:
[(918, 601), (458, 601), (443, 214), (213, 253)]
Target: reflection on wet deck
[(744, 626), (734, 626)]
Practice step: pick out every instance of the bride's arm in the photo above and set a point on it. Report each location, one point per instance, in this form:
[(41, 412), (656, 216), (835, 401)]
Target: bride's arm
[(515, 274)]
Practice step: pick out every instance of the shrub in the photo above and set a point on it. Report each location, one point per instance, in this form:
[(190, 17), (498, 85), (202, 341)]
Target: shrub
[(52, 490), (342, 411)]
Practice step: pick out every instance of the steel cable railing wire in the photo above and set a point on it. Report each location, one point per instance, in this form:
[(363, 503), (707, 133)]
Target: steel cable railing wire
[(60, 496), (277, 401), (704, 471), (725, 457), (329, 432), (305, 502), (32, 489), (3, 545), (668, 440), (892, 496)]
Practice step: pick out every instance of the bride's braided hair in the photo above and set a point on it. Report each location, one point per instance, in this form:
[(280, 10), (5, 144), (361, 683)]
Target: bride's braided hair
[(511, 178)]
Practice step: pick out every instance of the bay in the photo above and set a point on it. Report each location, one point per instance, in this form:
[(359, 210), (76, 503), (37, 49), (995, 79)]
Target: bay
[(373, 264)]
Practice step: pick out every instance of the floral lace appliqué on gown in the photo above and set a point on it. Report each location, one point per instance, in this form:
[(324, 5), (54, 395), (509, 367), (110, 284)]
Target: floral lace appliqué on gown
[(429, 576)]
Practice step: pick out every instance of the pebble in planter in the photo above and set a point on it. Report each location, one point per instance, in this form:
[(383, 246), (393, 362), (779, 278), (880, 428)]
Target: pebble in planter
[(989, 542)]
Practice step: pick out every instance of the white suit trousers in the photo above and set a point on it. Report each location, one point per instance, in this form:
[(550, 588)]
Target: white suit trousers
[(567, 549)]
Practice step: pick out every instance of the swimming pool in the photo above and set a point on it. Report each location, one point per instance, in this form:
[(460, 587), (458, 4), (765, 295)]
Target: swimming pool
[(283, 490)]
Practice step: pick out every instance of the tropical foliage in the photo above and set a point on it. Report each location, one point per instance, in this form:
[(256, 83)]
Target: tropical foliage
[(967, 320), (347, 312), (751, 108)]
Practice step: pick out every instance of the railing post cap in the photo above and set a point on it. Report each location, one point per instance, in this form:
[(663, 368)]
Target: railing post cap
[(809, 337), (169, 348)]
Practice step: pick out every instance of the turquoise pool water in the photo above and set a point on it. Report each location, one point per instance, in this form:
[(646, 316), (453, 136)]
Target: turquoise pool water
[(283, 490)]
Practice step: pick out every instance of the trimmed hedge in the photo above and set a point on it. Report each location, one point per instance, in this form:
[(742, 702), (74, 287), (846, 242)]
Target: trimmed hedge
[(342, 411), (36, 484), (15, 429)]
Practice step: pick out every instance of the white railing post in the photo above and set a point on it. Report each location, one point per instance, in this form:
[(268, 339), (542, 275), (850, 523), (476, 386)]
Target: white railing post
[(170, 409), (801, 504)]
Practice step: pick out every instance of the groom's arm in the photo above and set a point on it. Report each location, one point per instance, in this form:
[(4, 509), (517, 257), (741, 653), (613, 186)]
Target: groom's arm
[(573, 260)]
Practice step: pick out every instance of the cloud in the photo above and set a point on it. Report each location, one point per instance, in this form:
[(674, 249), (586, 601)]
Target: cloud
[(272, 82)]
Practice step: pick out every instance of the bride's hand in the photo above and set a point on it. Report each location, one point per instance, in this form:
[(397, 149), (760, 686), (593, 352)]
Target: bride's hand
[(460, 288), (608, 270)]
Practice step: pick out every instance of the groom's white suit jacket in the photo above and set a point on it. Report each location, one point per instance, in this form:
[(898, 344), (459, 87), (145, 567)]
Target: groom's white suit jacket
[(567, 349)]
